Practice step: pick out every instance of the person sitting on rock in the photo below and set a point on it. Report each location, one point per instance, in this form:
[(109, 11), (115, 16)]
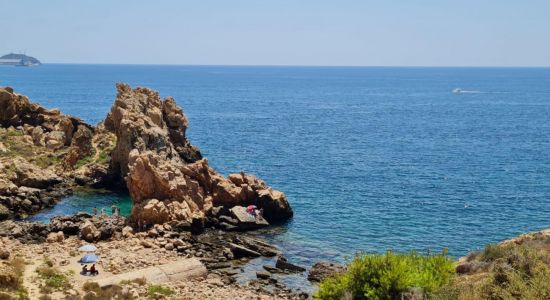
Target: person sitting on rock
[(251, 209), (93, 271), (94, 211), (84, 270)]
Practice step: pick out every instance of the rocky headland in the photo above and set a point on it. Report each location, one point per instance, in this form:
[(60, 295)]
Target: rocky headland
[(182, 207)]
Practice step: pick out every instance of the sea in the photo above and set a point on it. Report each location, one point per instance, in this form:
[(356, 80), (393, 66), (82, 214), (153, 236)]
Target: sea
[(371, 158)]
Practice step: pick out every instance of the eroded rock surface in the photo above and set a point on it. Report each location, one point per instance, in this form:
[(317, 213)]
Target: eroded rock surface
[(44, 154), (165, 174)]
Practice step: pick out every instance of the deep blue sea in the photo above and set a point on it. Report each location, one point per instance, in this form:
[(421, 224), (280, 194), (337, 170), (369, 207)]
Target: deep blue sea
[(370, 158)]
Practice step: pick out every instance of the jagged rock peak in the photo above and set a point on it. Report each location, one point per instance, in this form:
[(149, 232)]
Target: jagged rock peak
[(142, 121)]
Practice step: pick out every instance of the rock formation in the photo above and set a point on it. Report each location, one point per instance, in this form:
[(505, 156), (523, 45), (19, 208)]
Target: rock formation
[(166, 176), (142, 142), (39, 149)]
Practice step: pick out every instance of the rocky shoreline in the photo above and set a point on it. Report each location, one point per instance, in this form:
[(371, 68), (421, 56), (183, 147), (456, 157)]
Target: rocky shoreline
[(182, 208)]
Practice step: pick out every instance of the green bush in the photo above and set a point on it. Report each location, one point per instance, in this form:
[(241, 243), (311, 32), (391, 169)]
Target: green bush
[(154, 290), (514, 272), (53, 279), (387, 276), (83, 161)]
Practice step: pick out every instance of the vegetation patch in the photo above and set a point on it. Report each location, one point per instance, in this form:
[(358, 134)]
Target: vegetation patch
[(52, 278), (103, 158), (510, 271), (388, 276), (95, 292), (11, 279), (46, 161), (154, 290), (83, 161), (138, 281)]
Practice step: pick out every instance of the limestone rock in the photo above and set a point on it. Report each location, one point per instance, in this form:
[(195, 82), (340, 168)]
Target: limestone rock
[(142, 121), (322, 270), (166, 176), (283, 264), (4, 213), (31, 176), (55, 237), (55, 140), (7, 187), (89, 232), (81, 145), (4, 254), (246, 221), (127, 232)]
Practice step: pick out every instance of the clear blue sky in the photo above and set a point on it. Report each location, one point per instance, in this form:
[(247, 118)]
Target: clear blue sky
[(281, 32)]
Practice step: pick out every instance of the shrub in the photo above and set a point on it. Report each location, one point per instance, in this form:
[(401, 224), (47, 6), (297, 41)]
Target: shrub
[(11, 281), (83, 161), (387, 276), (111, 292), (139, 281), (158, 289), (54, 280), (513, 272)]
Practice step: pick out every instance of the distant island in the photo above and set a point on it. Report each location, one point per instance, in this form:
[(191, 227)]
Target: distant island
[(19, 60)]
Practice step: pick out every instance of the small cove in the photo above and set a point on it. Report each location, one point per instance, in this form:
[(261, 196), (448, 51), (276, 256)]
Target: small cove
[(85, 201)]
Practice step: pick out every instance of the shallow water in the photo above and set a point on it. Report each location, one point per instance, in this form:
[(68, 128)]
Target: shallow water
[(85, 201), (370, 158)]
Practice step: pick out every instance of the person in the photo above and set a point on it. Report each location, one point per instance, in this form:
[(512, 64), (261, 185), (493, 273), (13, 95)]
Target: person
[(94, 210), (113, 210), (93, 271), (251, 209), (84, 270), (261, 214), (102, 213)]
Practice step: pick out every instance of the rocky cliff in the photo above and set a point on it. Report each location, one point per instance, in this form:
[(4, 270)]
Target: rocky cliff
[(142, 142), (165, 174), (38, 151)]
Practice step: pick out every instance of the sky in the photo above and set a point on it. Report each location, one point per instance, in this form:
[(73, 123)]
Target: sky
[(280, 32)]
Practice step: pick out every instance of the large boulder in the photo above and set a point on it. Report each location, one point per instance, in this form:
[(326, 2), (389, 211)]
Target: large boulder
[(81, 145), (27, 174), (89, 232), (11, 107), (323, 269), (4, 213), (7, 187)]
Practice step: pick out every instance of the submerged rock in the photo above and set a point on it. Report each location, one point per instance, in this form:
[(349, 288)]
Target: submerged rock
[(322, 270), (283, 264)]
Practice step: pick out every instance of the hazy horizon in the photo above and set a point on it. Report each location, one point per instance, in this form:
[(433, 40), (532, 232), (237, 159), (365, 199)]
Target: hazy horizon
[(350, 33)]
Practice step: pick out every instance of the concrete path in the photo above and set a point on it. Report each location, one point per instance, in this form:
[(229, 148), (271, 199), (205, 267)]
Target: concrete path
[(175, 271)]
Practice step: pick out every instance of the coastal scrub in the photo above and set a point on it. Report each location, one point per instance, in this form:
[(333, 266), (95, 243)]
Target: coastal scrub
[(389, 275), (516, 269)]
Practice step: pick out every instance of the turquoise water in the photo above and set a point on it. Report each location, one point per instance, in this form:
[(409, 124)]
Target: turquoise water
[(86, 201), (370, 158)]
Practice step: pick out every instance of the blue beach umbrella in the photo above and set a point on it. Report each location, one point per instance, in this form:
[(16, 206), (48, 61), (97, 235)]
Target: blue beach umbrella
[(87, 248), (90, 258)]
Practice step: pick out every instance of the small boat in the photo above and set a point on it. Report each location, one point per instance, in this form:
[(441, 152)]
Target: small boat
[(457, 91)]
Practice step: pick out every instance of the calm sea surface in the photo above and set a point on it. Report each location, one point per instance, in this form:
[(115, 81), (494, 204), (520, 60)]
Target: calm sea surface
[(370, 158)]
